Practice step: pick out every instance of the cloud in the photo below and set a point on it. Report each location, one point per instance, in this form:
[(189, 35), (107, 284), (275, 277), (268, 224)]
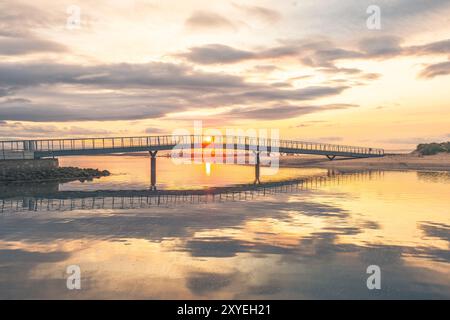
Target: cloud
[(133, 91), (262, 13), (19, 19), (319, 53), (327, 56), (347, 19), (18, 23), (5, 91), (438, 47), (308, 93), (38, 112), (113, 75), (311, 53), (217, 53), (18, 130), (269, 94), (281, 112), (434, 70), (382, 46), (204, 20), (23, 45), (323, 55), (160, 106), (408, 8), (155, 131)]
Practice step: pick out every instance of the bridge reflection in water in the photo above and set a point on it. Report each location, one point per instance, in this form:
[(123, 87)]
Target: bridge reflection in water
[(135, 199)]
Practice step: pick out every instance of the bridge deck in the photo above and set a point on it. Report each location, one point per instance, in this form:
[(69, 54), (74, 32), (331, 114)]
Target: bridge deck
[(89, 146)]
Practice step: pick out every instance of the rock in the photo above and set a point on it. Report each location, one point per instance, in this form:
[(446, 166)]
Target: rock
[(63, 173)]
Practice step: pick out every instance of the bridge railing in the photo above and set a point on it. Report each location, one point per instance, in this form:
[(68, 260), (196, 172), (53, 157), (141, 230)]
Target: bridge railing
[(50, 145), (274, 144)]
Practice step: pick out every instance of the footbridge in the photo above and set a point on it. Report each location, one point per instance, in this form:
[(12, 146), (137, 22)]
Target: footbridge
[(35, 149)]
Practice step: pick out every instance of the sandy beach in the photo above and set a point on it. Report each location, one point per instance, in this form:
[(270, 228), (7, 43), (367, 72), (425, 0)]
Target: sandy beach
[(389, 162)]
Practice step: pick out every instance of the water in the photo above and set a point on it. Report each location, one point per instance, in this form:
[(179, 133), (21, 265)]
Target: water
[(292, 242)]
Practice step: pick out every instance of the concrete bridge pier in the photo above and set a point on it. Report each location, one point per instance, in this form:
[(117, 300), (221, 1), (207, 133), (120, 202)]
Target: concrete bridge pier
[(257, 168), (153, 169)]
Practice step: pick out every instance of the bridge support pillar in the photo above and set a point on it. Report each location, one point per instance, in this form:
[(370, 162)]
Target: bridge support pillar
[(257, 167), (331, 158), (153, 169)]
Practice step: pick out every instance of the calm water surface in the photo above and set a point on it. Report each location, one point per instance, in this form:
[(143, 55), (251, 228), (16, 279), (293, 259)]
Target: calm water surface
[(292, 243)]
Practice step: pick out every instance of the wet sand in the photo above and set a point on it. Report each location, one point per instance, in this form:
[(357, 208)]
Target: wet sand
[(388, 162)]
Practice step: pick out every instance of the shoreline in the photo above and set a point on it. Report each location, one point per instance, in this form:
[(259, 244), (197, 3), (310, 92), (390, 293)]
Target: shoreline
[(398, 162)]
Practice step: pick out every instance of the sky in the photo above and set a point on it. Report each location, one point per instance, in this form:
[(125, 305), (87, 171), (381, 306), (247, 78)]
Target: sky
[(313, 69)]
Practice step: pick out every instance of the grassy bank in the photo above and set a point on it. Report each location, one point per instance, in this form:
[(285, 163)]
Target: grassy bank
[(427, 149)]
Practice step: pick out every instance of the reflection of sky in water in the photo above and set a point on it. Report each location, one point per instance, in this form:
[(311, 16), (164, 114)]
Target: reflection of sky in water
[(134, 173), (308, 244)]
